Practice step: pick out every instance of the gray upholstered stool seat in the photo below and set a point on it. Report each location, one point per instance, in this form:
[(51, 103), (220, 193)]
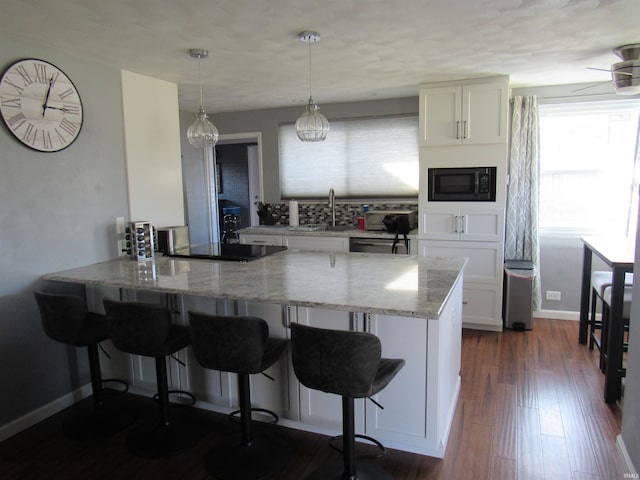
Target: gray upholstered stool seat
[(145, 329), (65, 319), (349, 364), (600, 280), (240, 345), (603, 343)]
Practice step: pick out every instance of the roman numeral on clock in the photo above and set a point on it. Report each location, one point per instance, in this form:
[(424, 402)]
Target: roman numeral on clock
[(24, 74), (11, 102), (68, 127)]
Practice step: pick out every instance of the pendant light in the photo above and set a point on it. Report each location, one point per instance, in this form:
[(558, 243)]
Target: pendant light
[(312, 126), (201, 133)]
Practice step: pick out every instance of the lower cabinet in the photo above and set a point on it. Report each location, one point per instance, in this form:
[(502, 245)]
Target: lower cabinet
[(318, 243), (321, 409), (483, 274), (403, 418), (257, 239), (418, 403)]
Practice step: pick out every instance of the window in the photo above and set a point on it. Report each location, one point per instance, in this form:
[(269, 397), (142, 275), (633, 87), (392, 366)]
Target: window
[(361, 158), (588, 181)]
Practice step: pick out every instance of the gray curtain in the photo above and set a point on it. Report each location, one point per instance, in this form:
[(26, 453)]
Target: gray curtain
[(521, 241)]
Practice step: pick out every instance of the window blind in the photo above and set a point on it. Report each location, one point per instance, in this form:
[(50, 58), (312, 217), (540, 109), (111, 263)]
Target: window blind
[(361, 158)]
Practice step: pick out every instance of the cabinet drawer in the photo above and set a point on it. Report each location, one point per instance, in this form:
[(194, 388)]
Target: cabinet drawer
[(317, 243), (485, 259), (257, 239)]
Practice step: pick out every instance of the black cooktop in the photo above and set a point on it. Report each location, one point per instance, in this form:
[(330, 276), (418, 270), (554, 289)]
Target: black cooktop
[(236, 252)]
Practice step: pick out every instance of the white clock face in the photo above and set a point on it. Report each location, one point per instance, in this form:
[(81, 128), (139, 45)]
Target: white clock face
[(40, 106)]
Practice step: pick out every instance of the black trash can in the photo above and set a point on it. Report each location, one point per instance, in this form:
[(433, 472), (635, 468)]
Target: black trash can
[(517, 298)]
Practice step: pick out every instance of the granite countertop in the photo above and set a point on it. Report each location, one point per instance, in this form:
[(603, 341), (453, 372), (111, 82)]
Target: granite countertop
[(401, 285), (310, 230)]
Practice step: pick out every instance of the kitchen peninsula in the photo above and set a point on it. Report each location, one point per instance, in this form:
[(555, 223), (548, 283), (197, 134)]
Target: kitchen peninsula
[(413, 304)]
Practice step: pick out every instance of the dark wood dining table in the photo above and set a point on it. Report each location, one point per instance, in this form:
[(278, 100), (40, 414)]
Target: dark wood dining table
[(618, 254)]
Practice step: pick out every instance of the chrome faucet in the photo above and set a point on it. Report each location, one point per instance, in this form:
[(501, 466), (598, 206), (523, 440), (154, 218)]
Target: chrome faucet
[(332, 206)]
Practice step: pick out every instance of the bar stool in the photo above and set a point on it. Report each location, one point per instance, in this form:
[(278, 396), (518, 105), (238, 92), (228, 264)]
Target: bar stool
[(349, 364), (145, 329), (240, 345), (65, 319), (603, 344), (600, 280)]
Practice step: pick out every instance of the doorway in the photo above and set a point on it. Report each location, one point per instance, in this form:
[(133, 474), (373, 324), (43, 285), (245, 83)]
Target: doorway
[(238, 176)]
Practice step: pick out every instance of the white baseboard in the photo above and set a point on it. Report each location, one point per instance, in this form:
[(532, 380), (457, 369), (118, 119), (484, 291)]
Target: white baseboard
[(39, 414), (557, 314), (631, 469)]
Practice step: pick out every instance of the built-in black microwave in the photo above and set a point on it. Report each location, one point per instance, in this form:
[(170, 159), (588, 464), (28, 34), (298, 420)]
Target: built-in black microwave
[(471, 184)]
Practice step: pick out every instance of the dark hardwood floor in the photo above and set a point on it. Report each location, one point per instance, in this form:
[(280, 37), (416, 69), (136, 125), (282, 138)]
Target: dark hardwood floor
[(531, 407)]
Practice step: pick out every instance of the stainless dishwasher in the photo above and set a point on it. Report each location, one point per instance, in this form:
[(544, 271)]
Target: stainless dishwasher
[(378, 245)]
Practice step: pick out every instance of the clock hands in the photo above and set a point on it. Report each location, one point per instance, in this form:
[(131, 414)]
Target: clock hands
[(46, 99), (62, 109)]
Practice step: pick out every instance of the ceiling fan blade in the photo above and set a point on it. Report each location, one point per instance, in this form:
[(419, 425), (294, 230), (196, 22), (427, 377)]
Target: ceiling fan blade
[(590, 86), (610, 71)]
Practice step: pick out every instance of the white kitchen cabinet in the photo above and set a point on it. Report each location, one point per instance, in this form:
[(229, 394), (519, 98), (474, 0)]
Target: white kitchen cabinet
[(260, 239), (274, 395), (482, 298), (319, 243), (482, 306), (454, 222), (464, 114), (404, 416), (484, 259), (318, 408), (420, 401)]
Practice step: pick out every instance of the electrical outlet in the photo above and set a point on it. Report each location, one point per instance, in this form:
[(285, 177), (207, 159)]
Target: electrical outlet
[(553, 295)]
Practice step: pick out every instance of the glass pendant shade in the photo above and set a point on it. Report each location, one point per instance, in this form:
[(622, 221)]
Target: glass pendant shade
[(312, 126), (202, 133)]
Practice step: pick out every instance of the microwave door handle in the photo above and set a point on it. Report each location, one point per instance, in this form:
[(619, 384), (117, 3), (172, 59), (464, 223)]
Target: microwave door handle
[(477, 184)]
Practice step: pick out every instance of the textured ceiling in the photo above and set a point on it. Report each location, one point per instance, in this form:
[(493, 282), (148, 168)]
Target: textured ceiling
[(369, 48)]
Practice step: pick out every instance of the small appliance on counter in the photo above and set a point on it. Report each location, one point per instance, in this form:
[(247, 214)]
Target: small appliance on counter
[(374, 219), (140, 240), (171, 238)]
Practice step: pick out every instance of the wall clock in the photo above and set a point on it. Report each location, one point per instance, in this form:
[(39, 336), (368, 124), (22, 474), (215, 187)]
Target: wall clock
[(40, 105)]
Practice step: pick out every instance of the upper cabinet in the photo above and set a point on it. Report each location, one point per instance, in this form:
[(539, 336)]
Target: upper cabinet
[(471, 113)]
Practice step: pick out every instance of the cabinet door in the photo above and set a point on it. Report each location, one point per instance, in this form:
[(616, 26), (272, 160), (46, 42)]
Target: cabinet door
[(257, 239), (207, 385), (485, 259), (443, 365), (440, 223), (440, 115), (319, 408), (484, 113), (317, 243), (266, 393), (484, 224), (482, 306), (404, 416)]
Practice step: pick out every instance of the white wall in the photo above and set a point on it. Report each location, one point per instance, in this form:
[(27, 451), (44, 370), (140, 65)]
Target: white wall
[(152, 149)]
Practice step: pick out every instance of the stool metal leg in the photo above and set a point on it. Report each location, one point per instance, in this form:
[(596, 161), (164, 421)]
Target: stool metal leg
[(163, 389), (348, 469), (173, 433), (256, 456)]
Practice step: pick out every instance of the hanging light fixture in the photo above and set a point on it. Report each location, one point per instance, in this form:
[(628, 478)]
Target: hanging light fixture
[(201, 133), (312, 126)]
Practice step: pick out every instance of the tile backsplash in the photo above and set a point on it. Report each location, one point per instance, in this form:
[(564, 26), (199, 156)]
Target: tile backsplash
[(313, 213)]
